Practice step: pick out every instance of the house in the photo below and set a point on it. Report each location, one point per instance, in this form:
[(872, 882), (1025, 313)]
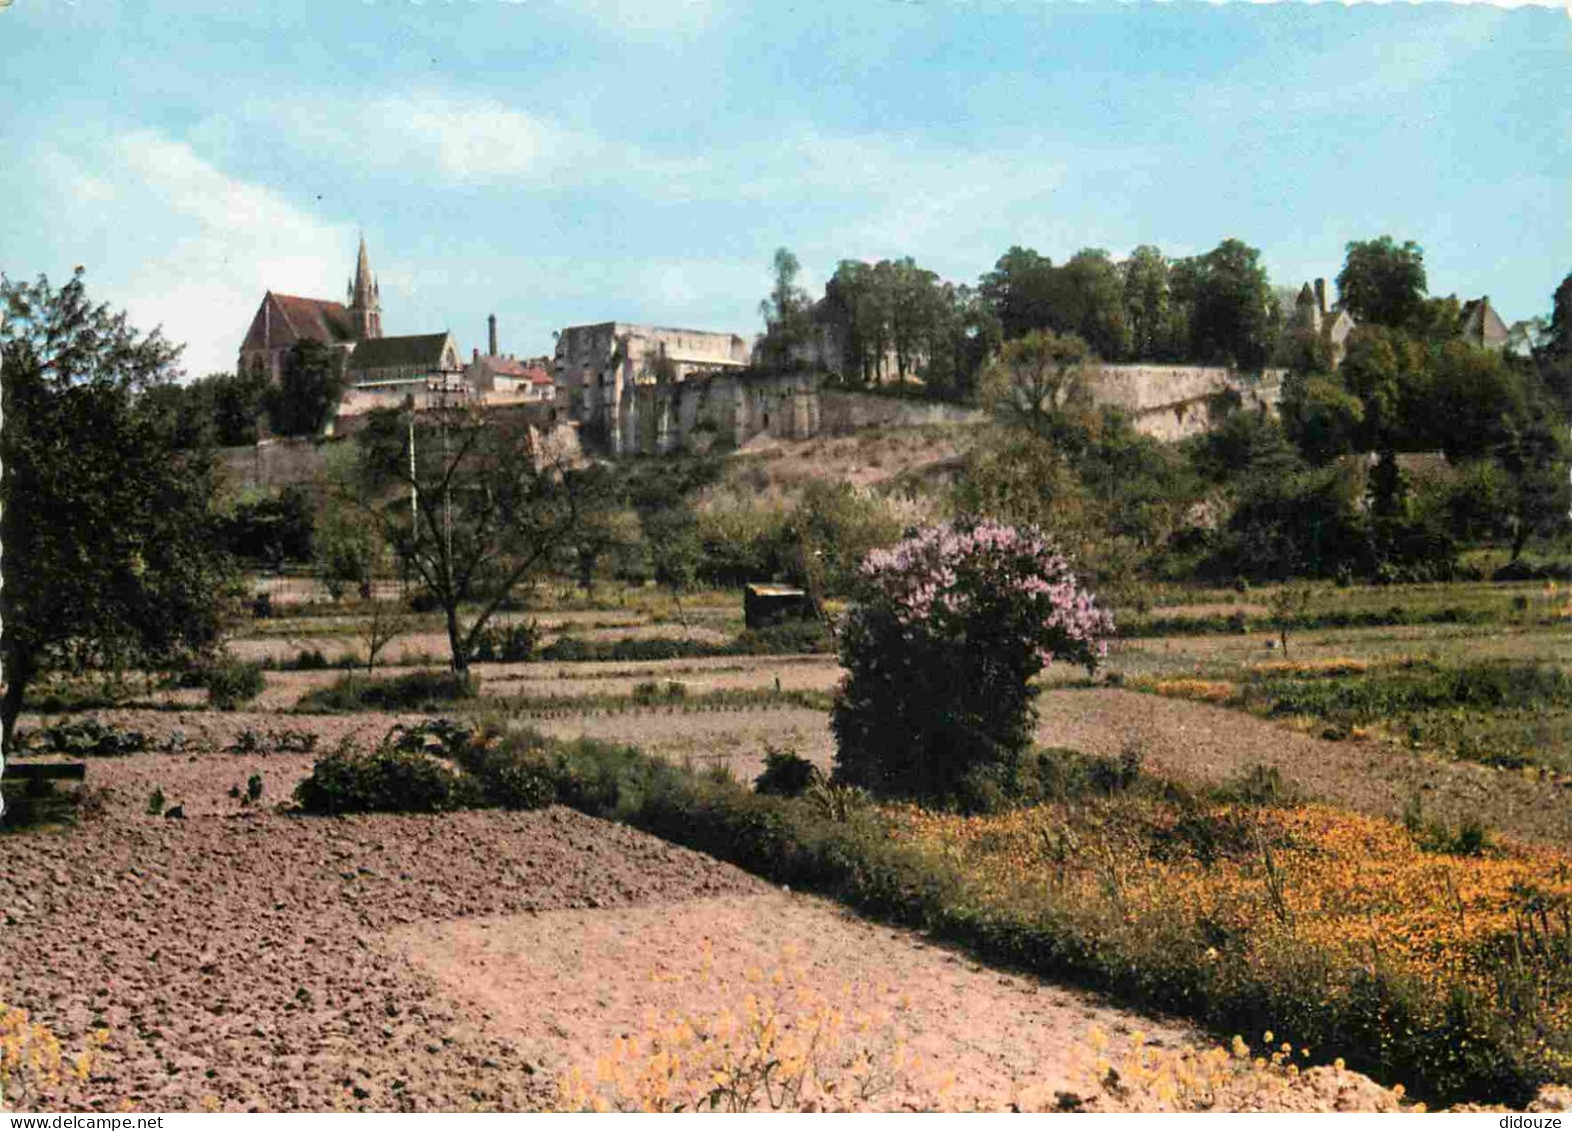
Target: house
[(408, 361), (1481, 326), (500, 377), (1332, 326)]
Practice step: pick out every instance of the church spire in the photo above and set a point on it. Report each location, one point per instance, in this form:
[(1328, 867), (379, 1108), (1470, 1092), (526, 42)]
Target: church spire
[(364, 299)]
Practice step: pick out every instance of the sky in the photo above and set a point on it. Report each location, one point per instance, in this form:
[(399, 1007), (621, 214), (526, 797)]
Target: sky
[(560, 162)]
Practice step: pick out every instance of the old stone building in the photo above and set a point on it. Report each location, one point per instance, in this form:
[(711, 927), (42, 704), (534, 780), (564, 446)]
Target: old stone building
[(283, 320), (1333, 326), (599, 368)]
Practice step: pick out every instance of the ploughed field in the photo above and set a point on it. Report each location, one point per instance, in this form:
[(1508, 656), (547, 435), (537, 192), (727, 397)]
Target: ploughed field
[(242, 957)]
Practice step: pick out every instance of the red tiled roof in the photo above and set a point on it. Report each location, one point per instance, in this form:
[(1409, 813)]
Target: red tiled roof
[(318, 318), (504, 366), (282, 320), (538, 376)]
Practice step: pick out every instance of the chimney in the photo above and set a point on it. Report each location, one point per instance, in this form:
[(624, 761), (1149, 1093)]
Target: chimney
[(1320, 295), (491, 323), (477, 353)]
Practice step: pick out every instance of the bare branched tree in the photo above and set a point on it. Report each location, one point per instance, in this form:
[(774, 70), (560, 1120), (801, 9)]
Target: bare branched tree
[(474, 505)]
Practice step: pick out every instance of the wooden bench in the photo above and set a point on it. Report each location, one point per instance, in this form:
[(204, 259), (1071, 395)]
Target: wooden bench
[(37, 775)]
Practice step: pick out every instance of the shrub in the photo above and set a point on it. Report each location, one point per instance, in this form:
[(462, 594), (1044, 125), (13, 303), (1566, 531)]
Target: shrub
[(414, 691), (652, 691), (786, 773), (388, 780), (311, 660), (940, 650), (230, 683), (507, 643), (89, 737)]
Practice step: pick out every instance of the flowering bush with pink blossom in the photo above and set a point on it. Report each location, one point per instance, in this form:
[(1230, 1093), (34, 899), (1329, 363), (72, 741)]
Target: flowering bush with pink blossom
[(940, 648)]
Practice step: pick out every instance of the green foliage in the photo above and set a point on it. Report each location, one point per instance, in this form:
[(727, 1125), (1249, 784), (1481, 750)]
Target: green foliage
[(1042, 384), (413, 691), (1468, 838), (786, 773), (491, 509), (230, 683), (507, 643), (787, 638), (1383, 283), (272, 530), (88, 738), (310, 387), (111, 551), (387, 780), (652, 692)]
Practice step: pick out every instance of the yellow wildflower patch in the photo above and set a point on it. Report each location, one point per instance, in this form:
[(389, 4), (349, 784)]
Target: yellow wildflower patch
[(1276, 888), (1205, 690)]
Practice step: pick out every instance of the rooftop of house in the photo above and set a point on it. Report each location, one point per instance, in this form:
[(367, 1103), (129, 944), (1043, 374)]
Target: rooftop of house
[(409, 350)]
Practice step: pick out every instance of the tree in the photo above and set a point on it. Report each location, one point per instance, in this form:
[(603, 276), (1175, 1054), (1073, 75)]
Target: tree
[(1147, 302), (310, 387), (1231, 306), (786, 312), (966, 336), (1090, 303), (1383, 283), (1553, 358), (1041, 382), (1020, 290), (111, 549), (474, 512)]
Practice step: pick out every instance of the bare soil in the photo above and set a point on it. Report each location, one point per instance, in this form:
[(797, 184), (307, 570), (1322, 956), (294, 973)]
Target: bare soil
[(238, 961)]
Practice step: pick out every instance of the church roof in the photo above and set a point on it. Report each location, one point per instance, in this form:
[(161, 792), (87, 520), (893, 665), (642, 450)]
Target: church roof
[(282, 320), (427, 350)]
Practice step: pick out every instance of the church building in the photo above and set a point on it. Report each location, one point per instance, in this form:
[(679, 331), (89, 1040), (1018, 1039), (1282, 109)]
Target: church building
[(353, 329)]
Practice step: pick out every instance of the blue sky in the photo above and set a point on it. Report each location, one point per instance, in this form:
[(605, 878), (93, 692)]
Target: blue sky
[(567, 161)]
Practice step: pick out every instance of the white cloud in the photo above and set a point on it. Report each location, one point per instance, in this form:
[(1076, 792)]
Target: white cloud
[(180, 243)]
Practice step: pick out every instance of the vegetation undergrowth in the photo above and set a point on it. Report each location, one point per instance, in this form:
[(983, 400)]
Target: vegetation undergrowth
[(1502, 713), (413, 691)]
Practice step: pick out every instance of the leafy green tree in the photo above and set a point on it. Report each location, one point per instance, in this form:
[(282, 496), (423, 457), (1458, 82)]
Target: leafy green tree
[(1321, 416), (310, 387), (1147, 303), (1020, 291), (852, 311), (1383, 283), (787, 312), (476, 514), (1553, 359), (1090, 303), (1535, 457), (1042, 383), (1231, 315), (967, 335), (111, 549)]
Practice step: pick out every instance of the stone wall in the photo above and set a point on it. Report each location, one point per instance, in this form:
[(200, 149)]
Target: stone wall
[(1171, 402), (654, 419), (841, 411)]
